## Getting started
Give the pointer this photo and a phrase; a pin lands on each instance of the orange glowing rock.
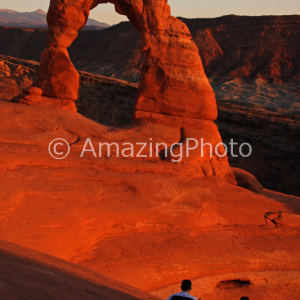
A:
(146, 222)
(57, 75)
(173, 88)
(173, 80)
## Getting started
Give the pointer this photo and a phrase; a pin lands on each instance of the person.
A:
(186, 287)
(244, 298)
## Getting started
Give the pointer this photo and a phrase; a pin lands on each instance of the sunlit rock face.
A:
(173, 80)
(174, 89)
(146, 222)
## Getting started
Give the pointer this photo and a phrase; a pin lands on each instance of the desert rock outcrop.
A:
(173, 79)
(148, 224)
(260, 128)
(174, 89)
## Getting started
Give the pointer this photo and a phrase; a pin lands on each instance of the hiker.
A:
(186, 287)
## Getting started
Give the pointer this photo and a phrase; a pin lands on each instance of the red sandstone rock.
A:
(4, 69)
(255, 47)
(65, 18)
(122, 216)
(8, 88)
(247, 180)
(173, 79)
(280, 219)
(19, 70)
(14, 77)
(41, 101)
(33, 91)
(57, 76)
(199, 142)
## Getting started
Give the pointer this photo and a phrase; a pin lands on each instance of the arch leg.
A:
(57, 75)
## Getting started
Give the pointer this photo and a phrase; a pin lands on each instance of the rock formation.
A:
(174, 89)
(146, 222)
(252, 125)
(247, 180)
(173, 79)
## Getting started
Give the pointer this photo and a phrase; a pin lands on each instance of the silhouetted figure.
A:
(186, 287)
(244, 298)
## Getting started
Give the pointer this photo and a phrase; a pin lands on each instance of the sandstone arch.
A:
(173, 91)
(173, 81)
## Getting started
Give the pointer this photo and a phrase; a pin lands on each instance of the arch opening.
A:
(106, 13)
(116, 107)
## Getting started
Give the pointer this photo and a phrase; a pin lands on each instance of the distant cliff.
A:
(252, 61)
(230, 46)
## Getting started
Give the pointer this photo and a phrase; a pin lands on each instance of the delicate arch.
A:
(173, 81)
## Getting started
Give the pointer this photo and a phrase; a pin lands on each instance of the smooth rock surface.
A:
(42, 101)
(27, 274)
(123, 217)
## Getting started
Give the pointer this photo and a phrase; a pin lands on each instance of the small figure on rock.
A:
(186, 287)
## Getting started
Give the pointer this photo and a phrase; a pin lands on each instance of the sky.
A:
(183, 8)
